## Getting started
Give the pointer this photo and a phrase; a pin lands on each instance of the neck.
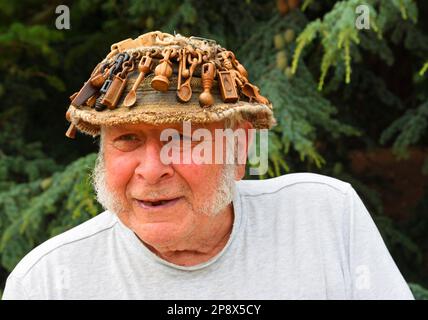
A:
(212, 237)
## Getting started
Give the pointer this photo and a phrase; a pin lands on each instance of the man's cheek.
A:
(120, 172)
(199, 177)
(192, 172)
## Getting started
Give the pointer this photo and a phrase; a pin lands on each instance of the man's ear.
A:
(242, 158)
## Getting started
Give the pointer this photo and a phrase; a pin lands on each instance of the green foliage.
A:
(411, 127)
(419, 292)
(34, 211)
(340, 40)
(338, 32)
(300, 110)
(424, 69)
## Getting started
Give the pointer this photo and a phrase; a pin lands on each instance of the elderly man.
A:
(177, 229)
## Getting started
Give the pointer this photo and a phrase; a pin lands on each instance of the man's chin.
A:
(158, 234)
(158, 219)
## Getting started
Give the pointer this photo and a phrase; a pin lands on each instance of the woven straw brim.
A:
(155, 107)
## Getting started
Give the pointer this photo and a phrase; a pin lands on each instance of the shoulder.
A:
(305, 196)
(305, 207)
(294, 182)
(92, 228)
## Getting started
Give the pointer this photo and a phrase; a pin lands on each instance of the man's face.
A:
(162, 203)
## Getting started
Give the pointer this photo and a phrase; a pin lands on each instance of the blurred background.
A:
(349, 85)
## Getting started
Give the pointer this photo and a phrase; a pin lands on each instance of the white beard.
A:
(108, 199)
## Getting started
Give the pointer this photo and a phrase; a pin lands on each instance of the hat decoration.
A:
(137, 71)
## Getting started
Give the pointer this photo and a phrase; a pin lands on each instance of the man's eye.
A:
(127, 142)
(128, 137)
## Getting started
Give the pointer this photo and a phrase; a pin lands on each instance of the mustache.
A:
(159, 192)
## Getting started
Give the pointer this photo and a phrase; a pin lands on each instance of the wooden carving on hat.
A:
(163, 53)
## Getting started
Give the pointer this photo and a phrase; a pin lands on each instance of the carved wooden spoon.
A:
(185, 92)
(144, 68)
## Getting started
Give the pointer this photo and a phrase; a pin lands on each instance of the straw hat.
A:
(160, 78)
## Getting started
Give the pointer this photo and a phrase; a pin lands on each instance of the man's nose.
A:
(151, 168)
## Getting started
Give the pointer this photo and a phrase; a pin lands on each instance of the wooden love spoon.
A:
(144, 68)
(185, 92)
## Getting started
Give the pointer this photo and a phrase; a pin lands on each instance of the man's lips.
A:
(157, 203)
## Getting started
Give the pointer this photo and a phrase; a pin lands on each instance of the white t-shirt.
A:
(298, 236)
